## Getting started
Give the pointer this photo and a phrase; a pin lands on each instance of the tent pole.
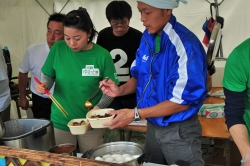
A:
(64, 5)
(42, 7)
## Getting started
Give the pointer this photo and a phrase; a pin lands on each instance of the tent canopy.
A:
(23, 22)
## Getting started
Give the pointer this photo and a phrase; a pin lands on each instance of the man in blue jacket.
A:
(169, 78)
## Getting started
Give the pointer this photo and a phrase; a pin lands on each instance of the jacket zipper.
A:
(150, 77)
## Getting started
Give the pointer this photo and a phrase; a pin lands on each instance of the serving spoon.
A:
(88, 104)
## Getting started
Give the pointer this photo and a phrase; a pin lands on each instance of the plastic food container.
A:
(97, 122)
(78, 130)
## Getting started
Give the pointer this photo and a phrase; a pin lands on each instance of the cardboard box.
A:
(212, 110)
(215, 113)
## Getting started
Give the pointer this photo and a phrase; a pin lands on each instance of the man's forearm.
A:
(128, 88)
(22, 83)
(165, 108)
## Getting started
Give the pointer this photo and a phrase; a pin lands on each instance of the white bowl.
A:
(78, 130)
(97, 122)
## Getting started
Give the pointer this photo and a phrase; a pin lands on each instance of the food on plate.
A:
(99, 158)
(117, 157)
(135, 156)
(109, 159)
(128, 158)
(125, 155)
(120, 159)
(79, 123)
(106, 156)
(64, 149)
(101, 116)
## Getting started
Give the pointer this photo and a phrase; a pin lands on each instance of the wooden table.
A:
(211, 127)
(214, 127)
(34, 158)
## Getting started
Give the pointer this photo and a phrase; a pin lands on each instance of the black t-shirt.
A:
(122, 49)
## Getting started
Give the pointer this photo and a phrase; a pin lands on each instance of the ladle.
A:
(88, 104)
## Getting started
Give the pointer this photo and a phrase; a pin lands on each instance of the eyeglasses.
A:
(117, 24)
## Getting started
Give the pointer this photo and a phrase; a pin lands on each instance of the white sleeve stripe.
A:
(133, 64)
(182, 70)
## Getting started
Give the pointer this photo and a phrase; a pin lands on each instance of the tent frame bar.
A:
(215, 1)
(53, 7)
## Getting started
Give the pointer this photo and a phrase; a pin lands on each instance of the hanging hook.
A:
(216, 2)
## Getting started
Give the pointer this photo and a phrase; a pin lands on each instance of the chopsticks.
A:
(63, 111)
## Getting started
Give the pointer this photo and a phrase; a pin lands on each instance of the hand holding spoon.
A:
(88, 104)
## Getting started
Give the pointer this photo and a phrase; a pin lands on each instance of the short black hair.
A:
(80, 19)
(57, 17)
(118, 10)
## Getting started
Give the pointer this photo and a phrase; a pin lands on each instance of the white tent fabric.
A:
(23, 22)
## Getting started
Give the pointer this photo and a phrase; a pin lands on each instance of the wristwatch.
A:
(137, 117)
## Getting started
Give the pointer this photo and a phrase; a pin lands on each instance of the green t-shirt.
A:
(237, 75)
(77, 76)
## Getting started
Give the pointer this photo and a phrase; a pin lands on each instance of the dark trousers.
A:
(5, 114)
(178, 143)
(41, 107)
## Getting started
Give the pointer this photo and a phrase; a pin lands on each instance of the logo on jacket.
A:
(89, 70)
(144, 58)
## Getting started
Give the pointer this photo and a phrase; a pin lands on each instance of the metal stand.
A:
(220, 56)
(216, 6)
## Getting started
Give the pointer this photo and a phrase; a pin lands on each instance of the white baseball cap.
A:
(163, 4)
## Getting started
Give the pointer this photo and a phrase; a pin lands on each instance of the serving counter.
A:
(211, 128)
(25, 157)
